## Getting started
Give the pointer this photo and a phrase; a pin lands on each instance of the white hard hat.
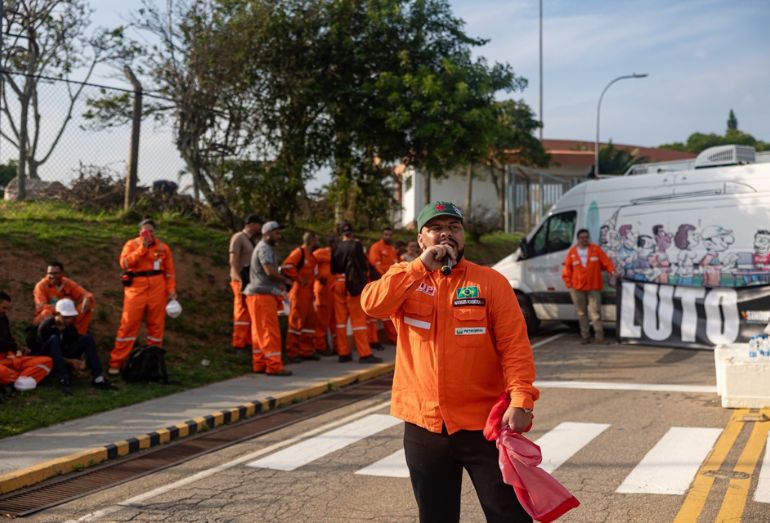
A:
(66, 307)
(173, 309)
(24, 383)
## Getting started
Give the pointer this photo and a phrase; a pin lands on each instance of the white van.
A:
(708, 226)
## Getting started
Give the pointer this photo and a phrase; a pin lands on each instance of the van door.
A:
(545, 253)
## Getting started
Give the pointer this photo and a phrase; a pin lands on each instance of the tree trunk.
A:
(469, 194)
(21, 168)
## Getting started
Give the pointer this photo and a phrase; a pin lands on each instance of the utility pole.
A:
(542, 120)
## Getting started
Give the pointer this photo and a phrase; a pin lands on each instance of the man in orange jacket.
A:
(382, 254)
(241, 246)
(54, 287)
(300, 266)
(323, 292)
(582, 274)
(149, 284)
(17, 367)
(462, 341)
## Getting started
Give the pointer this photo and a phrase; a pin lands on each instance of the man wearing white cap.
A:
(59, 339)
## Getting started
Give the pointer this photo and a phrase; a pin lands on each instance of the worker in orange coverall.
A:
(382, 254)
(54, 287)
(241, 247)
(300, 267)
(149, 284)
(323, 290)
(16, 367)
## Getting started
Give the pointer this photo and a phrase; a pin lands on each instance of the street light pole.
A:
(598, 112)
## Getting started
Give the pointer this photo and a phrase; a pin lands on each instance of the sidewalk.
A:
(40, 454)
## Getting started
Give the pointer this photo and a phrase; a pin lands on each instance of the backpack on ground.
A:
(146, 364)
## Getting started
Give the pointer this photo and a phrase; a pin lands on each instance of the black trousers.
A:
(436, 463)
(57, 350)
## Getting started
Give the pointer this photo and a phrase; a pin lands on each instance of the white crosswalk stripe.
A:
(565, 440)
(319, 446)
(670, 466)
(762, 494)
(393, 466)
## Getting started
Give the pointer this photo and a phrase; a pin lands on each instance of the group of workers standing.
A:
(59, 337)
(322, 286)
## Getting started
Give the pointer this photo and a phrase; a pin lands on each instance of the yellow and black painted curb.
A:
(87, 458)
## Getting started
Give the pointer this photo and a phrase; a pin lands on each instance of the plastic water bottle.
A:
(764, 345)
(753, 347)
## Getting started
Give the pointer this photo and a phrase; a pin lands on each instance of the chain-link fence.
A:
(66, 146)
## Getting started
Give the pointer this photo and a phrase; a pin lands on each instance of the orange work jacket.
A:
(138, 258)
(461, 342)
(306, 273)
(588, 278)
(382, 256)
(324, 279)
(46, 295)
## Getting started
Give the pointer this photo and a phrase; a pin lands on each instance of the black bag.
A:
(146, 364)
(127, 278)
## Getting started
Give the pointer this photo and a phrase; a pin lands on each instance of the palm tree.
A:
(617, 161)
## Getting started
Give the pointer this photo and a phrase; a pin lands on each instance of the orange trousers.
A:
(265, 333)
(346, 305)
(82, 321)
(241, 320)
(35, 367)
(146, 297)
(324, 311)
(300, 337)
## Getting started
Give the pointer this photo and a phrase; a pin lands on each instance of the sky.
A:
(703, 57)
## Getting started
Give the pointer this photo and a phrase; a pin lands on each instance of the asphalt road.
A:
(628, 450)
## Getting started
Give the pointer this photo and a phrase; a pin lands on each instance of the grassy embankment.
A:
(88, 245)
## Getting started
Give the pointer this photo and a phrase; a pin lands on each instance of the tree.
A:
(617, 161)
(732, 122)
(512, 139)
(48, 38)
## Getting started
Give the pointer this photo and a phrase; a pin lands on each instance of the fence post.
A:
(136, 125)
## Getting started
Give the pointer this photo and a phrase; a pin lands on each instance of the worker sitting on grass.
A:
(59, 339)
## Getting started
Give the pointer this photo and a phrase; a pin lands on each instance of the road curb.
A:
(35, 474)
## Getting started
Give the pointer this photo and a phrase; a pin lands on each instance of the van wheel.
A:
(530, 318)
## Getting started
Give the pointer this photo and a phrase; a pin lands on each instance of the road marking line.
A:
(564, 440)
(734, 502)
(602, 385)
(138, 500)
(696, 498)
(309, 450)
(393, 466)
(762, 493)
(670, 466)
(549, 340)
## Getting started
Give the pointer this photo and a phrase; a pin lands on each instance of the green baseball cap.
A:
(437, 208)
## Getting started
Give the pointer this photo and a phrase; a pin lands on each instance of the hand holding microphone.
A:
(441, 256)
(446, 266)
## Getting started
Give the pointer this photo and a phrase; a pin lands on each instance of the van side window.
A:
(555, 234)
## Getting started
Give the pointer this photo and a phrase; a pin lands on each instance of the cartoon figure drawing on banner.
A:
(659, 259)
(643, 269)
(716, 240)
(761, 257)
(627, 252)
(686, 239)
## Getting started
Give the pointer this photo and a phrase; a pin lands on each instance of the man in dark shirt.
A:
(59, 339)
(351, 268)
(18, 370)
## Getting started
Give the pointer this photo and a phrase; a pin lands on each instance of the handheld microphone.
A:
(446, 266)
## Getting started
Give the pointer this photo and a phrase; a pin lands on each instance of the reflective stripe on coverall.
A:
(324, 299)
(46, 296)
(265, 333)
(344, 305)
(12, 367)
(241, 321)
(146, 294)
(461, 342)
(301, 331)
(382, 256)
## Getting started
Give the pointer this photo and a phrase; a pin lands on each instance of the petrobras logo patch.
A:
(430, 290)
(470, 331)
(467, 292)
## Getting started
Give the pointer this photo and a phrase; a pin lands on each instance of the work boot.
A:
(585, 341)
(370, 359)
(602, 341)
(102, 383)
(282, 372)
(294, 359)
(326, 352)
(376, 346)
(345, 359)
(65, 386)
